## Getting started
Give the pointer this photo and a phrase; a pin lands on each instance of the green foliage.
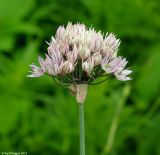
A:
(38, 117)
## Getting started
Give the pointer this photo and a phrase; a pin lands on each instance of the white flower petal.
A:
(126, 72)
(36, 71)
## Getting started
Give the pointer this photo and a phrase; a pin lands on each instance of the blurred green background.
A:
(40, 118)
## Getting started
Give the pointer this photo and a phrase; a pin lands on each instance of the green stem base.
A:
(82, 129)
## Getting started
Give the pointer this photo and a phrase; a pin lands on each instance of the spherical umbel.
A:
(78, 56)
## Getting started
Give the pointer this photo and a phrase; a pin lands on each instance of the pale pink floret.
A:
(111, 66)
(66, 67)
(97, 58)
(36, 71)
(123, 75)
(110, 44)
(116, 66)
(88, 65)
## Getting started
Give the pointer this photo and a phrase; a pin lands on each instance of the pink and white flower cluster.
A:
(75, 43)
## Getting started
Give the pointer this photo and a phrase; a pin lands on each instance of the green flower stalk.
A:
(76, 57)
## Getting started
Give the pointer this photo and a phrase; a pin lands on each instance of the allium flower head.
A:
(79, 55)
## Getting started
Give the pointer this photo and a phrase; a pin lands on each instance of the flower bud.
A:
(88, 65)
(55, 55)
(72, 56)
(97, 58)
(60, 33)
(63, 47)
(66, 67)
(84, 53)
